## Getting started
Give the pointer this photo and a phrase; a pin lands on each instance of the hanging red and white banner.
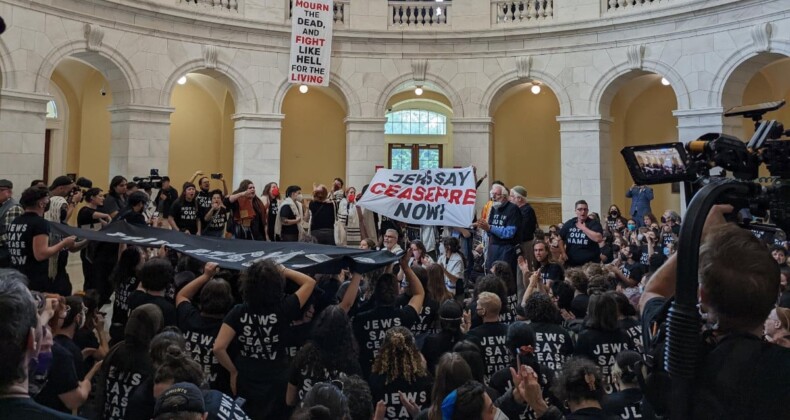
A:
(436, 197)
(311, 42)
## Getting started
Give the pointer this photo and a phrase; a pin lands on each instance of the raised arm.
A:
(351, 292)
(192, 288)
(306, 284)
(417, 291)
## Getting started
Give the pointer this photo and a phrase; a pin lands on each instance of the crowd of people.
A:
(504, 318)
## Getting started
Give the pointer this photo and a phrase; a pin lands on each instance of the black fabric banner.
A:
(238, 254)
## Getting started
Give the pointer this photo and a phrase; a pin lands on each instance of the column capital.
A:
(364, 124)
(472, 125)
(27, 102)
(680, 113)
(141, 113)
(583, 123)
(259, 121)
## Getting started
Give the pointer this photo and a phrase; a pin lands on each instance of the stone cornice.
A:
(672, 22)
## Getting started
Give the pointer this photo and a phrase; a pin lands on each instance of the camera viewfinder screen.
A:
(659, 163)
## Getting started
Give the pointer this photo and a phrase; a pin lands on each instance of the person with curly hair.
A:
(399, 373)
(329, 354)
(259, 371)
(553, 343)
(370, 326)
(579, 280)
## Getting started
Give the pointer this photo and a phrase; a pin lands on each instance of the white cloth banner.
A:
(311, 42)
(435, 197)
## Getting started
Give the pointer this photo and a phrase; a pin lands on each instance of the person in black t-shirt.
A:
(370, 326)
(503, 227)
(398, 373)
(259, 371)
(578, 279)
(90, 218)
(23, 340)
(155, 275)
(184, 212)
(435, 345)
(602, 339)
(215, 218)
(204, 193)
(491, 335)
(124, 282)
(613, 217)
(741, 376)
(322, 216)
(627, 402)
(553, 343)
(201, 325)
(27, 239)
(580, 236)
(430, 305)
(165, 198)
(289, 217)
(329, 354)
(69, 382)
(128, 365)
(115, 201)
(550, 272)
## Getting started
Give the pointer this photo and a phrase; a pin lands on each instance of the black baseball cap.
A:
(4, 183)
(61, 181)
(182, 397)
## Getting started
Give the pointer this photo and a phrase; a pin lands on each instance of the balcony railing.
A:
(505, 12)
(212, 4)
(418, 15)
(616, 5)
(340, 9)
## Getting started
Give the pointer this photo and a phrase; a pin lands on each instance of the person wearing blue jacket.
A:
(503, 227)
(640, 196)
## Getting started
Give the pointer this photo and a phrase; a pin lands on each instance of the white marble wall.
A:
(583, 55)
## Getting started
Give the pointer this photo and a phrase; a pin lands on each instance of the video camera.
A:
(82, 184)
(692, 165)
(749, 194)
(153, 180)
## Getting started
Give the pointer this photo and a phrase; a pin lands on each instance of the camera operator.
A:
(740, 376)
(165, 199)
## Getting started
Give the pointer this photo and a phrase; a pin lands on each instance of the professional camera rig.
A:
(763, 197)
(152, 181)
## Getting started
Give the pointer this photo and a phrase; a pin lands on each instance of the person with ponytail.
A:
(399, 373)
(627, 402)
(167, 344)
(325, 401)
(579, 386)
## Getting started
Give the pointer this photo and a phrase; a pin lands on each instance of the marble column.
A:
(140, 139)
(365, 149)
(256, 150)
(586, 162)
(22, 132)
(472, 146)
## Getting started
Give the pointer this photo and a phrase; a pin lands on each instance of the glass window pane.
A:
(401, 159)
(429, 158)
(52, 110)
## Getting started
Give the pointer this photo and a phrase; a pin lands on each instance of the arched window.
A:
(417, 122)
(52, 110)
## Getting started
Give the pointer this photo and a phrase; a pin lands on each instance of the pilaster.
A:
(256, 151)
(140, 139)
(22, 132)
(365, 149)
(586, 162)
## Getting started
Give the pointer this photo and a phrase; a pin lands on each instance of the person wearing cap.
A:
(529, 223)
(62, 187)
(182, 401)
(9, 210)
(28, 240)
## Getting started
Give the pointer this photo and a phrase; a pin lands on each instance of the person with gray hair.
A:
(20, 341)
(503, 227)
(529, 223)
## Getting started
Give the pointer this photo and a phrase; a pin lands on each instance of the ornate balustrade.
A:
(418, 15)
(504, 12)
